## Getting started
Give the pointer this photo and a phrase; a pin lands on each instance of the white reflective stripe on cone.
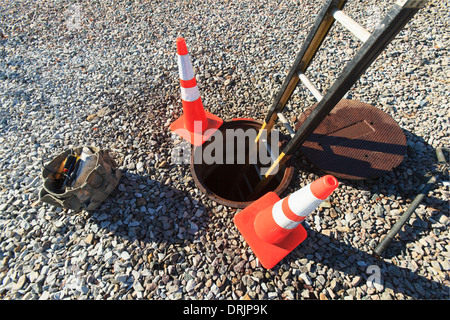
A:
(281, 219)
(303, 202)
(190, 94)
(185, 69)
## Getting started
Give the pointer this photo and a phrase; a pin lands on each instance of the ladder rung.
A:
(353, 26)
(308, 84)
(286, 124)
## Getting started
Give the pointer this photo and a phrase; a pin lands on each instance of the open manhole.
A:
(222, 169)
(355, 141)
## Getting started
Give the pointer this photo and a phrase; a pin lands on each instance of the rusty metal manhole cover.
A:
(355, 141)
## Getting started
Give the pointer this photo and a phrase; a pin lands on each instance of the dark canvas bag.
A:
(99, 182)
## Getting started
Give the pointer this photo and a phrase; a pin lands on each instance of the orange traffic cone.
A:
(195, 125)
(271, 226)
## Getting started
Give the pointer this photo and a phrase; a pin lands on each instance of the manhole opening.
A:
(231, 179)
(225, 181)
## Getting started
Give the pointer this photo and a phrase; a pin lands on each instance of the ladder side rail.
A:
(389, 27)
(313, 41)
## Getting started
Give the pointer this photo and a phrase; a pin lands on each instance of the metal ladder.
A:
(373, 45)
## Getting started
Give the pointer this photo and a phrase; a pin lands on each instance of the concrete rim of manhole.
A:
(217, 180)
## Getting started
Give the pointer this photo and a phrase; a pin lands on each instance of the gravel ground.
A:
(104, 73)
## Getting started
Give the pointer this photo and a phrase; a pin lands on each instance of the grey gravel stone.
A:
(105, 74)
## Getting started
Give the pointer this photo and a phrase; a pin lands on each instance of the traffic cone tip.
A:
(323, 187)
(181, 47)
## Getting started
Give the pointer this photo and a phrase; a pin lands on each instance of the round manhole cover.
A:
(355, 141)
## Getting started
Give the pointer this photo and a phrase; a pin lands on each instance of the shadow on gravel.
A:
(148, 211)
(346, 258)
(402, 184)
(403, 180)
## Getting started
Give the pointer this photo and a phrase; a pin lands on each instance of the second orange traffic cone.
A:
(271, 226)
(195, 125)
